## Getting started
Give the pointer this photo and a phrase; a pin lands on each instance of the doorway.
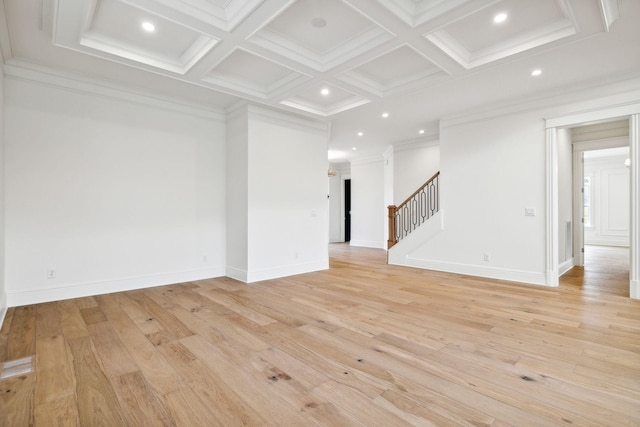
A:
(347, 210)
(554, 128)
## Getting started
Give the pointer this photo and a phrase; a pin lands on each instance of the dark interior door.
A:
(347, 210)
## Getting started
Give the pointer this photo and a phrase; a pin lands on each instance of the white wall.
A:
(3, 291)
(237, 193)
(368, 210)
(565, 200)
(486, 182)
(108, 194)
(413, 165)
(610, 199)
(288, 218)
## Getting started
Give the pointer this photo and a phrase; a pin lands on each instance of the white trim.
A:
(634, 226)
(289, 119)
(369, 244)
(528, 277)
(285, 271)
(594, 115)
(428, 141)
(20, 70)
(610, 12)
(79, 290)
(237, 274)
(591, 100)
(578, 227)
(552, 208)
(634, 291)
(3, 308)
(565, 266)
(366, 160)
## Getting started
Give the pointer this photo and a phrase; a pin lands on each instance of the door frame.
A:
(579, 149)
(630, 111)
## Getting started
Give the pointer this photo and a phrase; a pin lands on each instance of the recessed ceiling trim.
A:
(181, 65)
(292, 79)
(551, 33)
(364, 82)
(322, 61)
(416, 13)
(344, 105)
(610, 12)
(226, 18)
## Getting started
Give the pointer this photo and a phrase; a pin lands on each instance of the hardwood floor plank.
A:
(97, 401)
(363, 343)
(160, 375)
(53, 370)
(22, 337)
(141, 406)
(16, 400)
(112, 354)
(61, 412)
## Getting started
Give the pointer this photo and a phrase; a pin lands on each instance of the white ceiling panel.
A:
(475, 39)
(320, 34)
(335, 100)
(114, 29)
(420, 60)
(245, 72)
(401, 68)
(222, 14)
(417, 12)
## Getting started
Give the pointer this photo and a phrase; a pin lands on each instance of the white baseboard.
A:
(368, 244)
(288, 270)
(237, 274)
(3, 308)
(528, 277)
(634, 291)
(36, 296)
(565, 266)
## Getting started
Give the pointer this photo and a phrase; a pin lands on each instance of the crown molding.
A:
(288, 119)
(25, 71)
(415, 144)
(592, 96)
(367, 160)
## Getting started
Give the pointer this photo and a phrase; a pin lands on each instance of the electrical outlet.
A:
(529, 211)
(486, 257)
(204, 258)
(51, 274)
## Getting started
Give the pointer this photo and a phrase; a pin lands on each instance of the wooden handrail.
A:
(419, 189)
(411, 218)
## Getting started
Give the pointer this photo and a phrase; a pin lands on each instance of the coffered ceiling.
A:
(344, 61)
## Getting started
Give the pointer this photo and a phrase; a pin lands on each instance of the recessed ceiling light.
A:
(421, 131)
(536, 72)
(360, 133)
(385, 115)
(354, 148)
(324, 91)
(148, 27)
(500, 17)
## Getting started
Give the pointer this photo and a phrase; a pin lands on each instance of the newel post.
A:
(392, 226)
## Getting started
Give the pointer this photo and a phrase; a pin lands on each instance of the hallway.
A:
(605, 272)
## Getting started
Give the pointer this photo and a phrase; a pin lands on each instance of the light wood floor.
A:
(363, 343)
(605, 272)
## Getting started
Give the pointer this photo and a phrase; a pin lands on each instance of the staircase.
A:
(414, 211)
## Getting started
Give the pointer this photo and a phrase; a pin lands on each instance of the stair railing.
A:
(411, 213)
